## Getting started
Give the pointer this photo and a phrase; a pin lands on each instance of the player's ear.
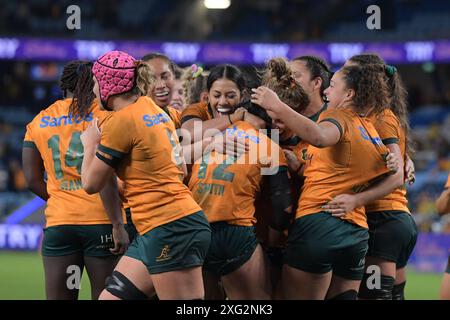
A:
(317, 83)
(350, 94)
(204, 97)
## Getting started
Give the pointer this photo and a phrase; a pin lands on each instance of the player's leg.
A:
(98, 270)
(392, 238)
(63, 276)
(301, 285)
(185, 284)
(343, 289)
(213, 286)
(130, 280)
(348, 264)
(99, 261)
(379, 278)
(445, 286)
(398, 292)
(63, 262)
(275, 265)
(249, 281)
(235, 255)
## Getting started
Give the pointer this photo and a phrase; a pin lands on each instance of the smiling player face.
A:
(161, 91)
(223, 96)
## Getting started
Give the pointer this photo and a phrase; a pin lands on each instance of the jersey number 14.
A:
(73, 156)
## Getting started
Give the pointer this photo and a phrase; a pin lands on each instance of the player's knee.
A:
(382, 292)
(346, 295)
(119, 285)
(398, 291)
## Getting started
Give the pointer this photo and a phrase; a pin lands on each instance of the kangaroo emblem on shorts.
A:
(164, 254)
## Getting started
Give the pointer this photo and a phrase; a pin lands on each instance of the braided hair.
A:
(76, 80)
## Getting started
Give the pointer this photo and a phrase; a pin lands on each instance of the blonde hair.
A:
(194, 84)
(145, 78)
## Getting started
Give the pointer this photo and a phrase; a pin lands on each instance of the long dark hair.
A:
(397, 91)
(76, 79)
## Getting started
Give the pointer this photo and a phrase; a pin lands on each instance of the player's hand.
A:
(121, 239)
(410, 175)
(121, 189)
(230, 145)
(267, 99)
(292, 160)
(341, 205)
(92, 135)
(392, 162)
(238, 114)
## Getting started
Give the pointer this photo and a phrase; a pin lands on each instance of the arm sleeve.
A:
(116, 140)
(194, 111)
(388, 128)
(28, 141)
(337, 118)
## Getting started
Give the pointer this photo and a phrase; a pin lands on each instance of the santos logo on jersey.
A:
(151, 120)
(64, 120)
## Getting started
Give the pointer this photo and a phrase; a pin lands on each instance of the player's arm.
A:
(410, 176)
(222, 143)
(443, 202)
(191, 125)
(33, 169)
(342, 204)
(113, 207)
(295, 166)
(94, 172)
(321, 135)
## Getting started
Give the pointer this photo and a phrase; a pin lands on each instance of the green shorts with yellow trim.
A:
(393, 236)
(176, 245)
(319, 243)
(231, 247)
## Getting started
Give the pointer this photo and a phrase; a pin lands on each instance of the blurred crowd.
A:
(264, 20)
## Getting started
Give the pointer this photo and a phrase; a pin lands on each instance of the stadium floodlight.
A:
(217, 4)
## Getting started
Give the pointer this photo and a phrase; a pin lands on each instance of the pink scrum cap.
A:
(115, 73)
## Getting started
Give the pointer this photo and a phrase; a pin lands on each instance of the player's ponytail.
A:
(145, 78)
(278, 77)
